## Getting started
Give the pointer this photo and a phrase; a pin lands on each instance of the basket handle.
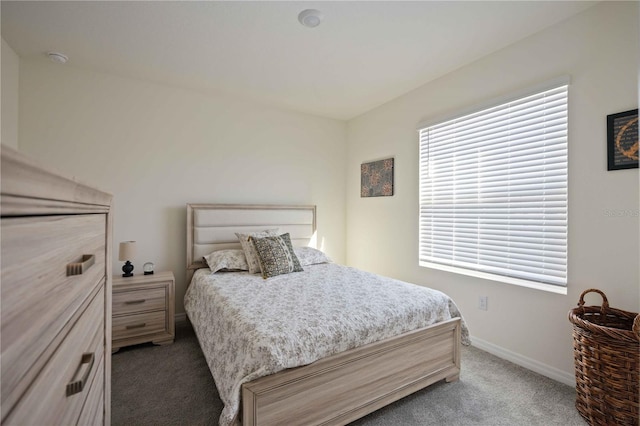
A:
(636, 325)
(605, 302)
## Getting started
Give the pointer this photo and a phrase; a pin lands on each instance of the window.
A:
(493, 191)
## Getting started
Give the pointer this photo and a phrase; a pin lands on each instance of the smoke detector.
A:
(57, 57)
(310, 18)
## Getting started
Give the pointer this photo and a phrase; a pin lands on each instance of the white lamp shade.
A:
(127, 250)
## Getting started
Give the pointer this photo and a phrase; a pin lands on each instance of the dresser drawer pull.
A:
(78, 268)
(129, 327)
(135, 302)
(78, 385)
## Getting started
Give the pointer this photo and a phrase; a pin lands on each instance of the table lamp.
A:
(127, 251)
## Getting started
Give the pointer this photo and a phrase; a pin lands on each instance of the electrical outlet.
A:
(483, 303)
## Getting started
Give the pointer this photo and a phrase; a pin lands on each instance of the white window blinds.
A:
(493, 190)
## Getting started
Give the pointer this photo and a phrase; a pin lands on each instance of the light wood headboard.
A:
(212, 227)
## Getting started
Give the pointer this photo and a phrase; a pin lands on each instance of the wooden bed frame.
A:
(341, 388)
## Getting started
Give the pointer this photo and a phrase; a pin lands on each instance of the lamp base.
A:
(127, 268)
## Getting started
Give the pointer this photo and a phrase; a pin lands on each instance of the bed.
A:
(307, 347)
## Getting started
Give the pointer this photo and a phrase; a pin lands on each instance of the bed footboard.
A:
(346, 386)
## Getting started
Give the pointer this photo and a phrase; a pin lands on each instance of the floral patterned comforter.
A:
(249, 327)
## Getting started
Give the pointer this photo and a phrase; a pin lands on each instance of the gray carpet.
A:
(172, 385)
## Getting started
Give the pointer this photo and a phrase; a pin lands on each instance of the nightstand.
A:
(143, 310)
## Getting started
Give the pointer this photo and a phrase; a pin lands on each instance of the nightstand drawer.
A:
(39, 293)
(134, 301)
(51, 399)
(139, 325)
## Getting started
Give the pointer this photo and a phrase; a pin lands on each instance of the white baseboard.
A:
(181, 317)
(523, 361)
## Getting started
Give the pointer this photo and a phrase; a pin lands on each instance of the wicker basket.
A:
(606, 344)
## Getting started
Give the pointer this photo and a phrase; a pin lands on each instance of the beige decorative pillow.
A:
(250, 251)
(276, 255)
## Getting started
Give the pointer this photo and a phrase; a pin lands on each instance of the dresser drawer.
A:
(55, 296)
(139, 325)
(134, 301)
(38, 296)
(79, 357)
(93, 409)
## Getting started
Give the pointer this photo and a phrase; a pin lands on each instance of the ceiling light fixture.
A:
(57, 57)
(310, 18)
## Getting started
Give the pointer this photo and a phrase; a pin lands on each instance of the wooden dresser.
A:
(56, 297)
(143, 309)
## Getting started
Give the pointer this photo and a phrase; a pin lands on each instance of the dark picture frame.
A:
(376, 178)
(622, 140)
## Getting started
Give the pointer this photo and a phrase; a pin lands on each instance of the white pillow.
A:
(311, 256)
(227, 260)
(250, 251)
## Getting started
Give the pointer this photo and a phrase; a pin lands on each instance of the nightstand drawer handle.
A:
(78, 385)
(78, 268)
(135, 302)
(129, 327)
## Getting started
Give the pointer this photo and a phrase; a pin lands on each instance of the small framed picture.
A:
(376, 178)
(622, 140)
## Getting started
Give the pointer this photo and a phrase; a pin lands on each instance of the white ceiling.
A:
(361, 56)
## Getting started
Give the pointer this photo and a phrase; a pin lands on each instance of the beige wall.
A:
(599, 50)
(9, 95)
(156, 148)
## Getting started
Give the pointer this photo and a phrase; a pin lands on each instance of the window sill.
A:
(497, 278)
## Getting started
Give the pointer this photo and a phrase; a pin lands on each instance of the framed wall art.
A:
(622, 140)
(376, 178)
